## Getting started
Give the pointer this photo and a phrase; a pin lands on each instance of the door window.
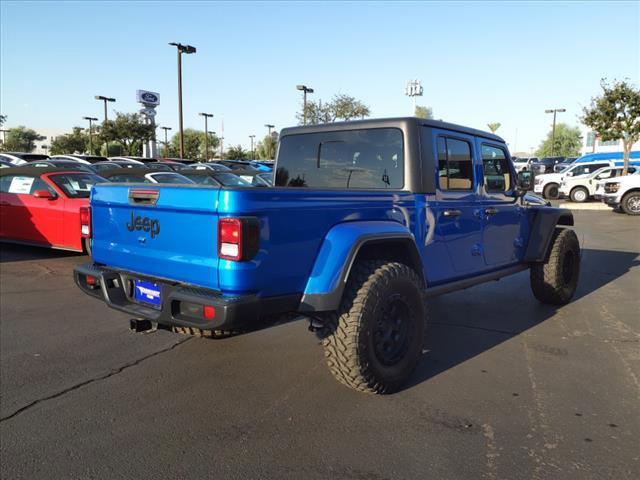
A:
(455, 168)
(497, 176)
(22, 184)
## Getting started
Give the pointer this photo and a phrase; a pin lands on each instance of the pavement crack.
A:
(77, 386)
(474, 327)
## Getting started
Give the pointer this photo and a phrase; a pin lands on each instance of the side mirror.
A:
(45, 194)
(525, 181)
(569, 174)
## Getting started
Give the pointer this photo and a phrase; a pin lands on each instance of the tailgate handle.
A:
(139, 196)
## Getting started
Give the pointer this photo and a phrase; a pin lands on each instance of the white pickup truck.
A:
(580, 189)
(548, 184)
(624, 193)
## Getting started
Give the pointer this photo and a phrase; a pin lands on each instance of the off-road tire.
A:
(551, 191)
(555, 281)
(579, 195)
(626, 203)
(355, 333)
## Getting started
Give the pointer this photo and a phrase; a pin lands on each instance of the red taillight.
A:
(91, 280)
(85, 222)
(209, 312)
(238, 238)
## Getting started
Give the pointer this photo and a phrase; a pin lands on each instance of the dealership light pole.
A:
(253, 155)
(105, 100)
(206, 134)
(166, 129)
(304, 89)
(181, 49)
(412, 90)
(91, 119)
(221, 148)
(553, 130)
(4, 135)
(269, 127)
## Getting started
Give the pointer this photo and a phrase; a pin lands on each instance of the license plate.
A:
(147, 292)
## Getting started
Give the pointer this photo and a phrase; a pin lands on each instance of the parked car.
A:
(63, 163)
(112, 164)
(580, 189)
(46, 206)
(209, 166)
(86, 159)
(158, 166)
(6, 164)
(548, 185)
(624, 193)
(127, 159)
(143, 175)
(262, 165)
(564, 164)
(20, 158)
(143, 160)
(366, 220)
(523, 164)
(235, 165)
(216, 178)
(545, 165)
(173, 164)
(599, 192)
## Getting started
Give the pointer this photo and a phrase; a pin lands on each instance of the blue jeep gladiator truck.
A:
(365, 221)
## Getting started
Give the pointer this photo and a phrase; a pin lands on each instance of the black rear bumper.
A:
(182, 305)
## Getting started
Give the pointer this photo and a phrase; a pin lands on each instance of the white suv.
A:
(548, 184)
(580, 189)
(624, 192)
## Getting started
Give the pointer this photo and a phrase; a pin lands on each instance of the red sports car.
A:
(46, 206)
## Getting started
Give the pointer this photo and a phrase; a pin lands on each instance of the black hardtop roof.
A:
(203, 172)
(397, 122)
(33, 170)
(126, 171)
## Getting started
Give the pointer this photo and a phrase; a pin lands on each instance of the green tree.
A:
(129, 130)
(266, 148)
(3, 119)
(74, 142)
(194, 145)
(21, 139)
(567, 142)
(494, 126)
(423, 112)
(615, 115)
(236, 153)
(340, 108)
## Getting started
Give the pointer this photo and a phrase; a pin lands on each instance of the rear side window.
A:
(588, 168)
(497, 176)
(455, 168)
(22, 184)
(365, 159)
(76, 185)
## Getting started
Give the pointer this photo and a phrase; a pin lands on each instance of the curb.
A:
(586, 206)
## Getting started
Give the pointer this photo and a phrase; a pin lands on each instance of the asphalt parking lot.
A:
(508, 388)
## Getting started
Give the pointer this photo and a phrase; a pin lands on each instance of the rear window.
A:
(365, 159)
(172, 178)
(230, 180)
(76, 185)
(124, 178)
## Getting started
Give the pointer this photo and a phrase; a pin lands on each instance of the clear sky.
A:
(479, 62)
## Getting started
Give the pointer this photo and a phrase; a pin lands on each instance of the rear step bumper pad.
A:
(114, 287)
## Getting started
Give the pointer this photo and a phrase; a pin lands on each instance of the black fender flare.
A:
(544, 223)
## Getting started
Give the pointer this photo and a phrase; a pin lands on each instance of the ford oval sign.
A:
(148, 98)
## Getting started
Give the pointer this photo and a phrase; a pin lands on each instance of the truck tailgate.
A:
(164, 231)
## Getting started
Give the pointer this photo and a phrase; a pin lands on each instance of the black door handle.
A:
(490, 211)
(452, 213)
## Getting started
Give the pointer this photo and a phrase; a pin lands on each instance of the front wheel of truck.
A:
(555, 281)
(374, 340)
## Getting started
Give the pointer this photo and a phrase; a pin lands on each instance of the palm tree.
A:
(494, 126)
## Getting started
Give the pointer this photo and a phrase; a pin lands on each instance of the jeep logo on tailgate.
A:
(145, 224)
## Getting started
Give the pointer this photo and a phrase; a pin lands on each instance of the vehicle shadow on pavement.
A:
(464, 324)
(10, 252)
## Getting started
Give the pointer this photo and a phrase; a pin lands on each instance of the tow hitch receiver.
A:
(139, 325)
